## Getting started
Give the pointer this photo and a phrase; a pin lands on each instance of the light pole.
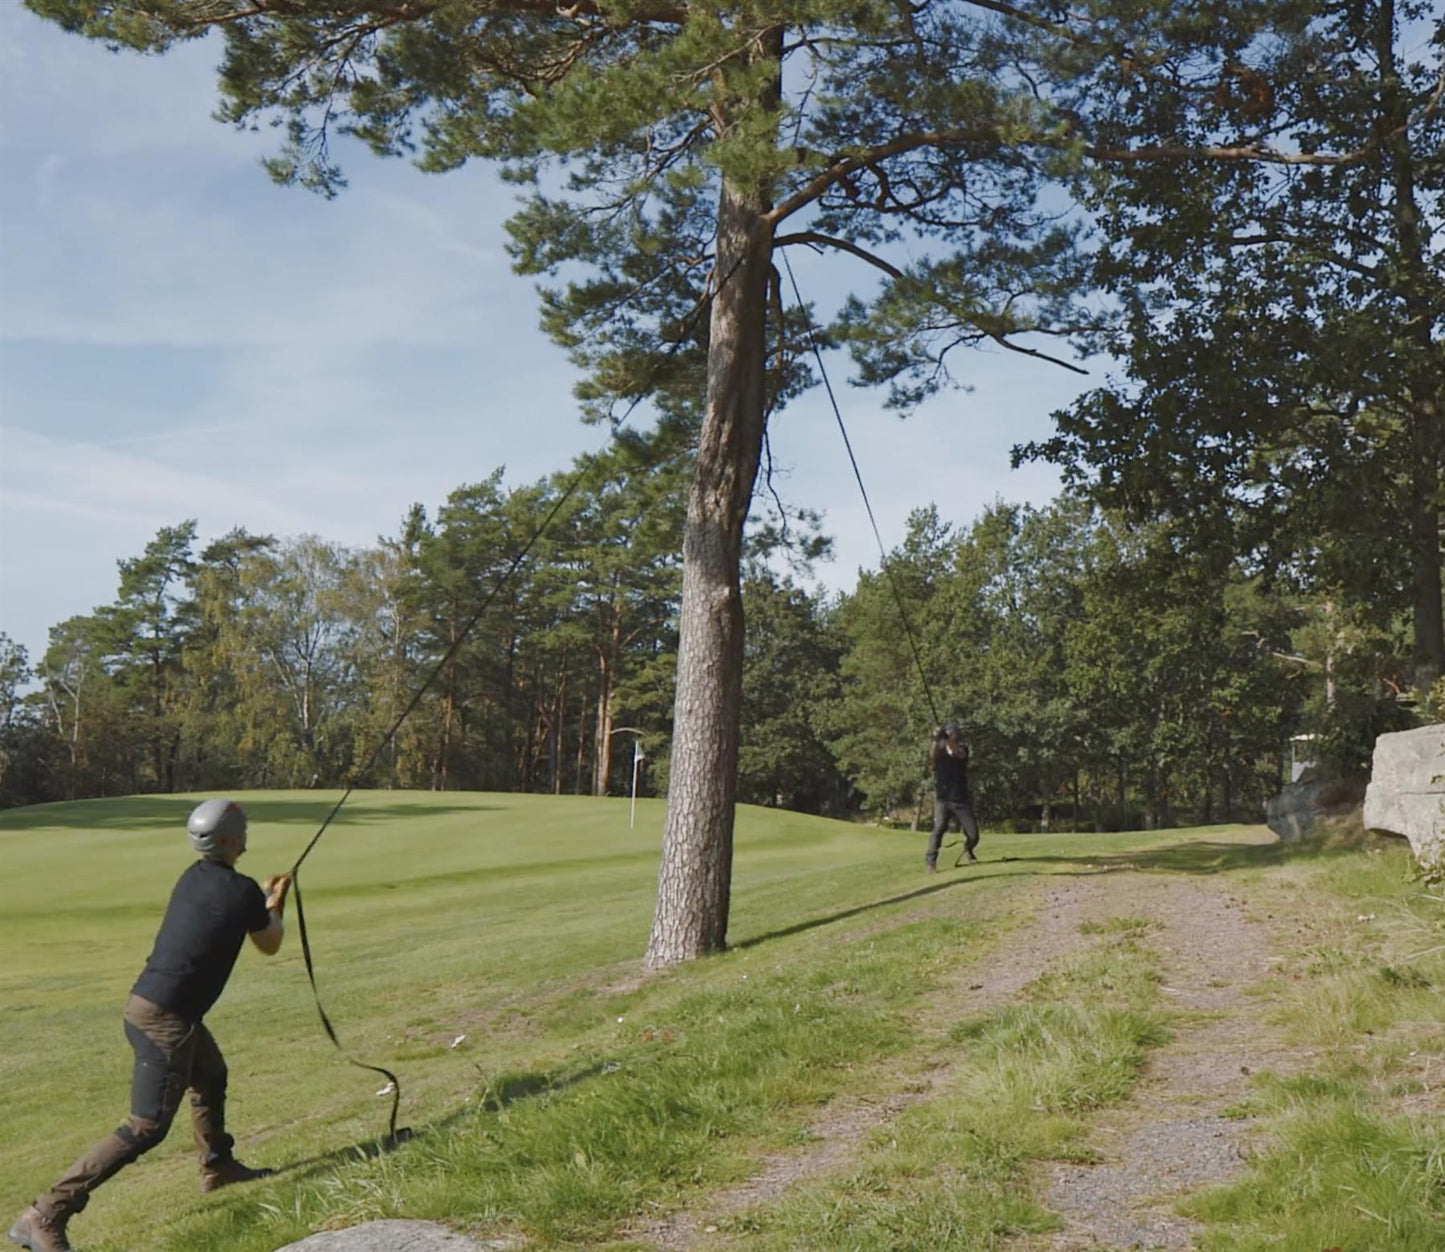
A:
(637, 758)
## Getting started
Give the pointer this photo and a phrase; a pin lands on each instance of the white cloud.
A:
(91, 262)
(127, 107)
(69, 511)
(133, 218)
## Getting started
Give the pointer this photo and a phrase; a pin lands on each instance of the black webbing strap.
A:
(326, 1021)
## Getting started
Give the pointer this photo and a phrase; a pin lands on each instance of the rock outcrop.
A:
(1407, 790)
(1293, 813)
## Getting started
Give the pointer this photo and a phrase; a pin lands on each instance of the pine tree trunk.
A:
(559, 727)
(527, 762)
(157, 746)
(697, 852)
(1429, 650)
(581, 749)
(442, 764)
(606, 676)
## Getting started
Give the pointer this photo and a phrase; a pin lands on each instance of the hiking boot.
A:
(39, 1233)
(224, 1173)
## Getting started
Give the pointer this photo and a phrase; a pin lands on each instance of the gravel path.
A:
(834, 1136)
(1174, 1137)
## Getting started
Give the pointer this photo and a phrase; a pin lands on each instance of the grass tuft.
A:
(1134, 926)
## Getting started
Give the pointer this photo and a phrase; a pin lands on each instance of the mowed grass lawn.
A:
(583, 1096)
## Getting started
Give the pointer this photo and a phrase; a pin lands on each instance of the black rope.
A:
(431, 677)
(867, 504)
(371, 760)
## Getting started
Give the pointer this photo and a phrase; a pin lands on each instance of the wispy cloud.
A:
(131, 218)
(41, 474)
(946, 455)
(173, 435)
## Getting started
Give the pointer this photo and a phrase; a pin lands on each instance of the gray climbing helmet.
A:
(217, 827)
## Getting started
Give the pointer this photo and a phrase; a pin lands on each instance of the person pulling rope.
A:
(212, 909)
(951, 799)
(948, 755)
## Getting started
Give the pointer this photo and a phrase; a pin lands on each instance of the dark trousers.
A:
(171, 1055)
(945, 811)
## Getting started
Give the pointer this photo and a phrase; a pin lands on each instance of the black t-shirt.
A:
(212, 909)
(950, 776)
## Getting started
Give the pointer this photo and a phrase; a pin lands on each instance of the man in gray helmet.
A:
(212, 909)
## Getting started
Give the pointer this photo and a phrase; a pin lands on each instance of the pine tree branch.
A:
(1171, 154)
(674, 15)
(842, 166)
(1309, 246)
(1057, 29)
(988, 133)
(1034, 352)
(814, 238)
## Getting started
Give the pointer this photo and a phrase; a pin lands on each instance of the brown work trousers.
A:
(171, 1055)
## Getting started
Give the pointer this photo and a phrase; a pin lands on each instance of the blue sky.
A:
(180, 338)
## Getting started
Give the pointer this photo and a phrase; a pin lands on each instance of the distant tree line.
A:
(1109, 672)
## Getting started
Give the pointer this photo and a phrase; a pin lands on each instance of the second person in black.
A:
(951, 799)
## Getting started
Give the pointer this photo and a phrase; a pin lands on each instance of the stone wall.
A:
(1407, 790)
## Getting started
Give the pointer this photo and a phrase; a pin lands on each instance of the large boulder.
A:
(1293, 813)
(1407, 790)
(396, 1236)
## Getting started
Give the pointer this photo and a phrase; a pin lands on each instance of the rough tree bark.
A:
(693, 886)
(559, 729)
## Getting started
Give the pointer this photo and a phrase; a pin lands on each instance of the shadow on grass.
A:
(368, 1151)
(144, 812)
(1202, 856)
(857, 910)
(1189, 857)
